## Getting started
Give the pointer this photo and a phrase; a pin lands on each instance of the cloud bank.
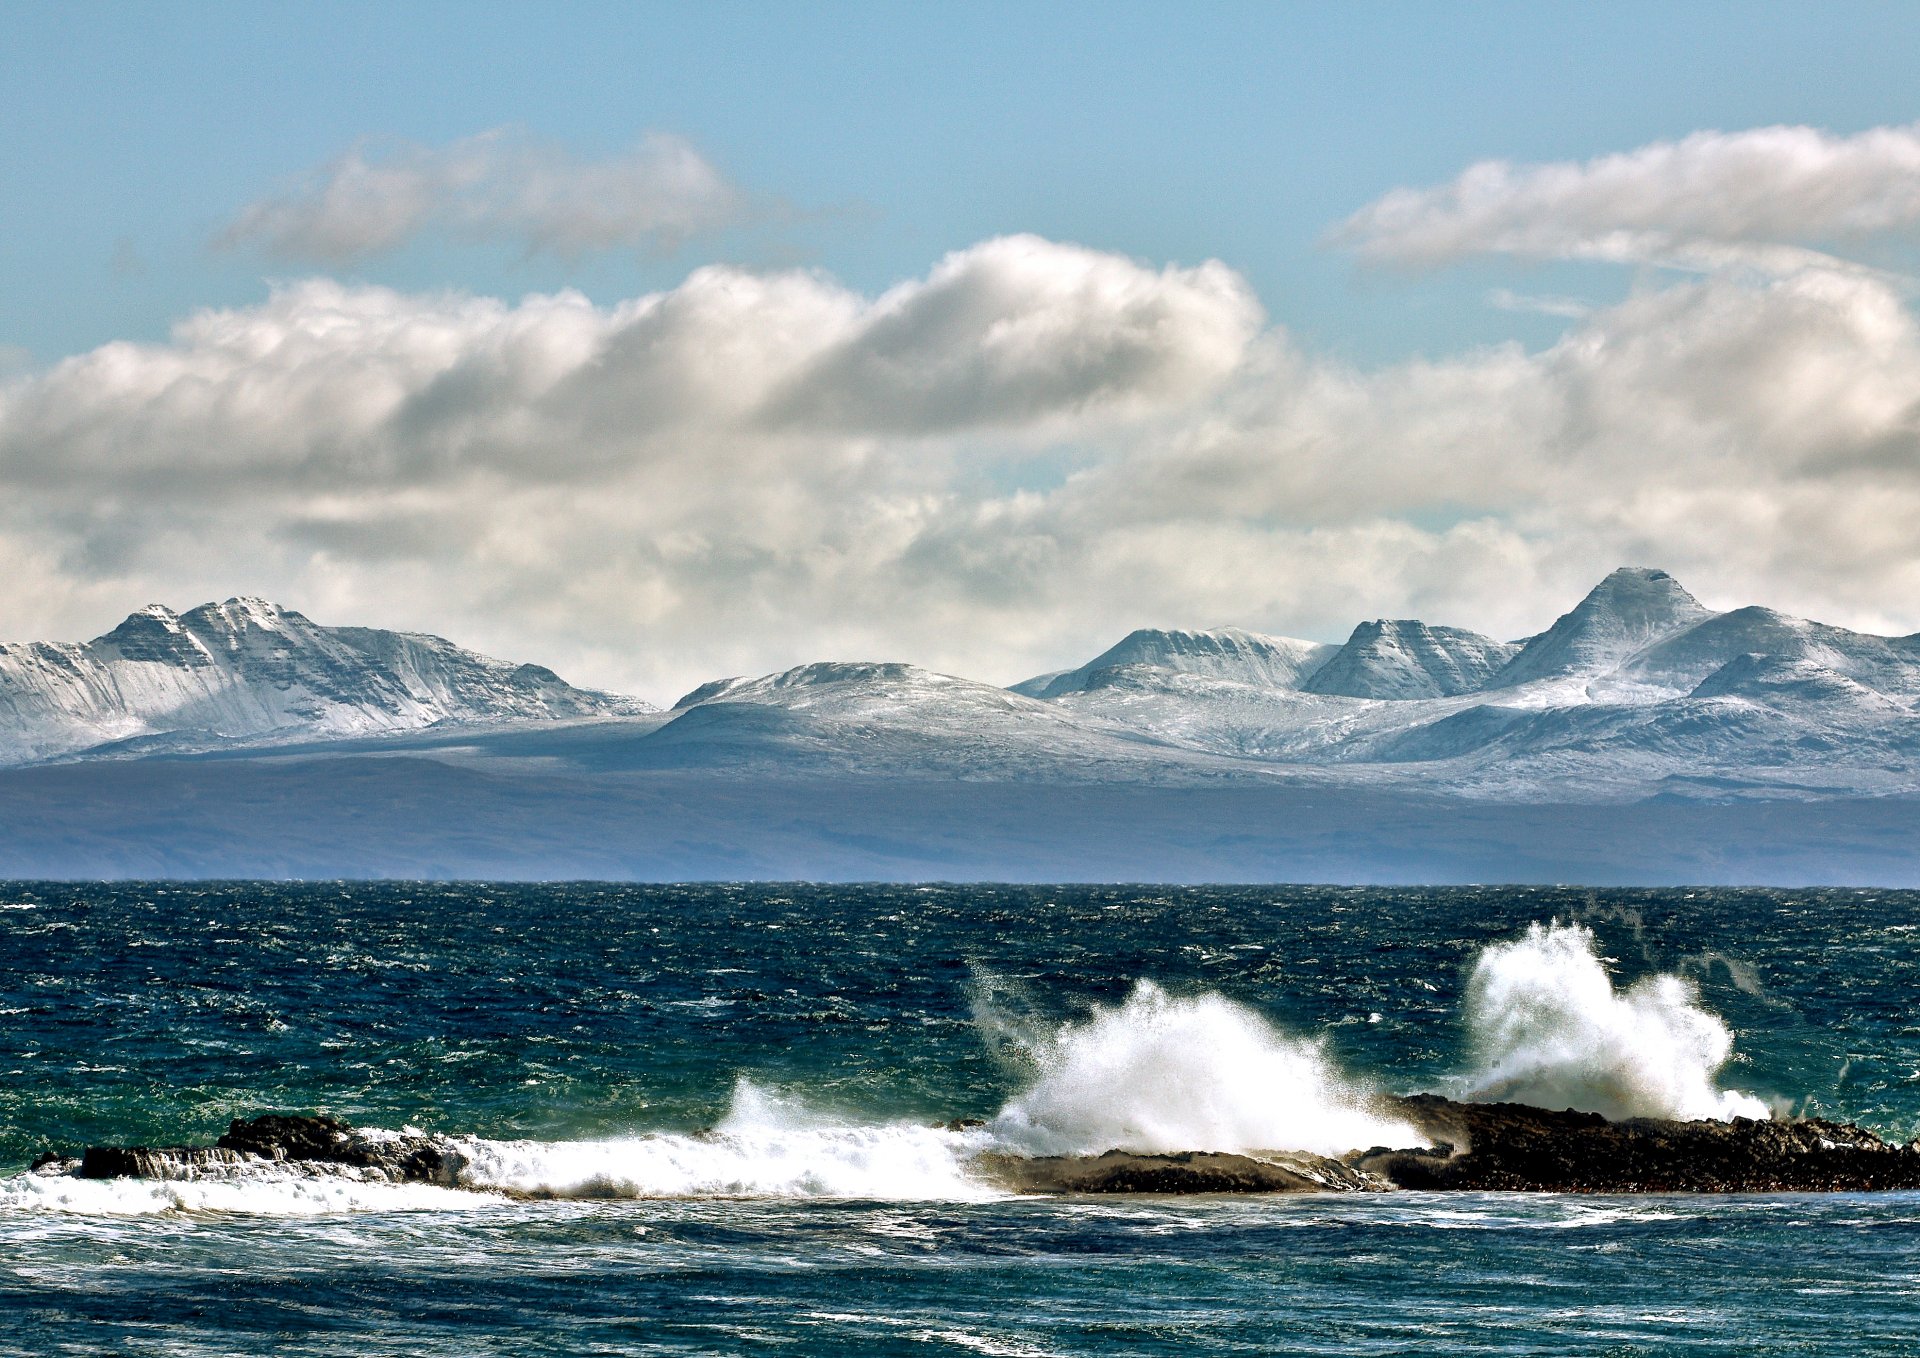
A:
(996, 468)
(1708, 199)
(498, 186)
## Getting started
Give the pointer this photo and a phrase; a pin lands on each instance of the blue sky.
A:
(895, 132)
(658, 342)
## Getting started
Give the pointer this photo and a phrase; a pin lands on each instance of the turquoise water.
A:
(588, 1033)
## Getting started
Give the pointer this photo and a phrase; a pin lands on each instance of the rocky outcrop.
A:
(1498, 1147)
(1183, 1172)
(1512, 1147)
(321, 1143)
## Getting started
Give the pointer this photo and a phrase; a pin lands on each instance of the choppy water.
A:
(584, 1034)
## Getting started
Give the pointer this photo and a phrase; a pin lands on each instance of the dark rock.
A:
(154, 1162)
(312, 1141)
(1508, 1146)
(1476, 1146)
(1182, 1172)
(282, 1136)
(45, 1158)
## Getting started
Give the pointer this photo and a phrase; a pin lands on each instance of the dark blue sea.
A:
(714, 1119)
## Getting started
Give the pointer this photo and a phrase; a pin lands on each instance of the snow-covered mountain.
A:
(1224, 653)
(904, 721)
(1637, 690)
(1407, 658)
(1625, 614)
(248, 671)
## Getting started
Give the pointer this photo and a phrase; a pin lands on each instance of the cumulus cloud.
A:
(995, 469)
(1759, 198)
(501, 185)
(1021, 328)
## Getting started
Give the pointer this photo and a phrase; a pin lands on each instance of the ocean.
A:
(744, 1119)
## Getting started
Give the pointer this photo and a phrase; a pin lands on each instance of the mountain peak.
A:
(1220, 653)
(250, 670)
(246, 612)
(1644, 591)
(1396, 658)
(1625, 613)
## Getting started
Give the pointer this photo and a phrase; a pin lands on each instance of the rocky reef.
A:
(1500, 1147)
(317, 1144)
(1512, 1147)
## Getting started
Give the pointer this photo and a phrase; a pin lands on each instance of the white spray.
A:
(1548, 1028)
(1189, 1073)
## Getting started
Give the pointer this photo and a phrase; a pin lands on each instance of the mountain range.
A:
(1636, 697)
(1637, 690)
(250, 672)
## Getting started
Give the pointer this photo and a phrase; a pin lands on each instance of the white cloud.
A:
(498, 186)
(1757, 198)
(1021, 328)
(753, 470)
(1567, 308)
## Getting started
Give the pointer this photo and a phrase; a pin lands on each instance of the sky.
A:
(659, 343)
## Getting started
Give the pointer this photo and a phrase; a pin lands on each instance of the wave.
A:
(766, 1146)
(263, 1190)
(1548, 1028)
(1166, 1073)
(1156, 1073)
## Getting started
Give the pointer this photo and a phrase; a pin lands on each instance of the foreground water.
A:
(583, 1036)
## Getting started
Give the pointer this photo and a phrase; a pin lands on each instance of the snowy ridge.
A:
(1625, 614)
(1407, 658)
(1638, 690)
(899, 719)
(1224, 653)
(248, 670)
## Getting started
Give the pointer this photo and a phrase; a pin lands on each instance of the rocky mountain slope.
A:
(247, 671)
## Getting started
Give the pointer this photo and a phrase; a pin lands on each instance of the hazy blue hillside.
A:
(411, 816)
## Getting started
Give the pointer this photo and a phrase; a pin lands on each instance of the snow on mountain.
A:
(1683, 661)
(902, 720)
(1624, 614)
(249, 670)
(1638, 690)
(1224, 653)
(1796, 683)
(1406, 658)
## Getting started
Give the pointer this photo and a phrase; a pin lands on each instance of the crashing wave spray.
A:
(1548, 1028)
(1189, 1073)
(766, 1146)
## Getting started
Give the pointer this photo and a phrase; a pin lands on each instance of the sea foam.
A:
(1161, 1072)
(1157, 1072)
(766, 1146)
(1547, 1027)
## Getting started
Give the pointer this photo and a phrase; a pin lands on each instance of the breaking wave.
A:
(1548, 1028)
(766, 1146)
(266, 1190)
(1157, 1072)
(1181, 1073)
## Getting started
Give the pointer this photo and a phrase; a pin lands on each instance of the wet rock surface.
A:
(322, 1143)
(1477, 1147)
(1513, 1147)
(1182, 1172)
